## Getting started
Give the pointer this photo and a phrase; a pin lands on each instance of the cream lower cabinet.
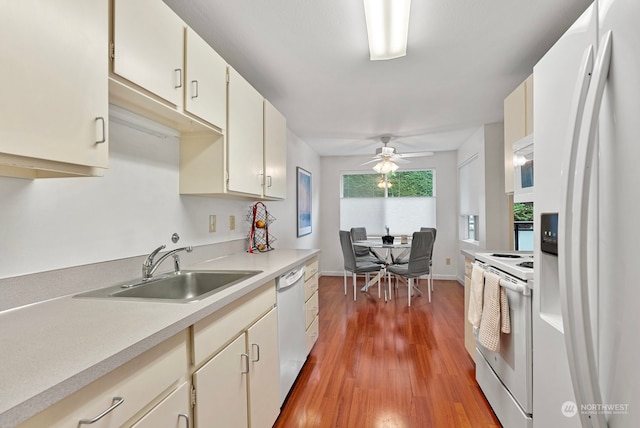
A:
(172, 412)
(54, 107)
(311, 302)
(469, 340)
(239, 385)
(138, 386)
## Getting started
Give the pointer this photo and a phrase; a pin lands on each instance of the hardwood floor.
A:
(380, 364)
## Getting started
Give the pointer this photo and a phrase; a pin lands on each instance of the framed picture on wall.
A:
(303, 202)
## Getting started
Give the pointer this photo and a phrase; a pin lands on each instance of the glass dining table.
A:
(388, 257)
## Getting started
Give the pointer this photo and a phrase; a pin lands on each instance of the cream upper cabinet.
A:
(518, 123)
(54, 103)
(244, 136)
(275, 153)
(148, 42)
(264, 371)
(206, 81)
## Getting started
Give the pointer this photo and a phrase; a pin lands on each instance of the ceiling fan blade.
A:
(415, 154)
(371, 161)
(399, 160)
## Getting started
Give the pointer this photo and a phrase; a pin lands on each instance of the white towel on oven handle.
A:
(495, 313)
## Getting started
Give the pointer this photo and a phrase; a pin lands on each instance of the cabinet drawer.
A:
(311, 309)
(214, 332)
(312, 335)
(311, 268)
(172, 412)
(310, 286)
(138, 382)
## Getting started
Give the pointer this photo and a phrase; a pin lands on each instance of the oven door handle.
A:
(518, 288)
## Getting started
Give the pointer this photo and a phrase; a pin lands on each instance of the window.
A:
(469, 226)
(468, 180)
(404, 201)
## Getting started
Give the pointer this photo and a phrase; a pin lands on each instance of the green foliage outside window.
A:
(402, 184)
(523, 211)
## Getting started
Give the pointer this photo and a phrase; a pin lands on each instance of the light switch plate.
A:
(212, 223)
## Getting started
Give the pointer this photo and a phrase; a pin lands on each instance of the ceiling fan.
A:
(387, 158)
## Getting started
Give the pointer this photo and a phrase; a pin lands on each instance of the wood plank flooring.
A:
(380, 364)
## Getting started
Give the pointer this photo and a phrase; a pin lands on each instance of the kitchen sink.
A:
(181, 287)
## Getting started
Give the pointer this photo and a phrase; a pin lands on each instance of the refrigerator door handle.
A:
(576, 316)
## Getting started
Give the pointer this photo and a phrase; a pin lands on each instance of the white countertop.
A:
(53, 348)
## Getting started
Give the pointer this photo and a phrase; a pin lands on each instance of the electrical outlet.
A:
(232, 222)
(448, 261)
(212, 223)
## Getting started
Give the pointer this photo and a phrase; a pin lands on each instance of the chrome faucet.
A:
(149, 266)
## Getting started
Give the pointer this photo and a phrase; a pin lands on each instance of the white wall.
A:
(487, 144)
(331, 261)
(299, 154)
(56, 223)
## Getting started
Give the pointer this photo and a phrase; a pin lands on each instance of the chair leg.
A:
(430, 286)
(410, 286)
(354, 287)
(344, 274)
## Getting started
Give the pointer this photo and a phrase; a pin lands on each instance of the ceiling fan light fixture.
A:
(385, 166)
(387, 28)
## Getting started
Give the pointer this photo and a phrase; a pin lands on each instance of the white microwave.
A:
(523, 170)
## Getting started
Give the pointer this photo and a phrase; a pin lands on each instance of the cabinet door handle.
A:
(257, 347)
(194, 85)
(104, 133)
(186, 418)
(179, 76)
(115, 403)
(246, 363)
(269, 181)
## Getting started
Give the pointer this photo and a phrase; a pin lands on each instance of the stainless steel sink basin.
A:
(185, 286)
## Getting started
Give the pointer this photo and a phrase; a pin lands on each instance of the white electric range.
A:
(505, 377)
(515, 263)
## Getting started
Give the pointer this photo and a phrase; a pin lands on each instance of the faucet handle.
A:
(149, 260)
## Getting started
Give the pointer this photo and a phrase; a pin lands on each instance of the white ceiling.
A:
(310, 58)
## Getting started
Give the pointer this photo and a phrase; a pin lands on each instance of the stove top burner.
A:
(526, 265)
(507, 256)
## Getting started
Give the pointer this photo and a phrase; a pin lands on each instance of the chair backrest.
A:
(359, 234)
(434, 231)
(348, 252)
(419, 258)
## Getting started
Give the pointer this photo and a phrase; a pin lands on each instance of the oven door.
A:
(513, 363)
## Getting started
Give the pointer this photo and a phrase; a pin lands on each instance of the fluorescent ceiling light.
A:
(387, 27)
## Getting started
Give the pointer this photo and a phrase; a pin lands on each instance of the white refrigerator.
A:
(586, 327)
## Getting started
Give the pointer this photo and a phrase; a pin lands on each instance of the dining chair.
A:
(351, 264)
(419, 263)
(364, 254)
(405, 260)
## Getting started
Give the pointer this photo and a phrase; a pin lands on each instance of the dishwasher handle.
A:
(286, 281)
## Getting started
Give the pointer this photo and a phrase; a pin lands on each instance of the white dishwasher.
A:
(291, 328)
